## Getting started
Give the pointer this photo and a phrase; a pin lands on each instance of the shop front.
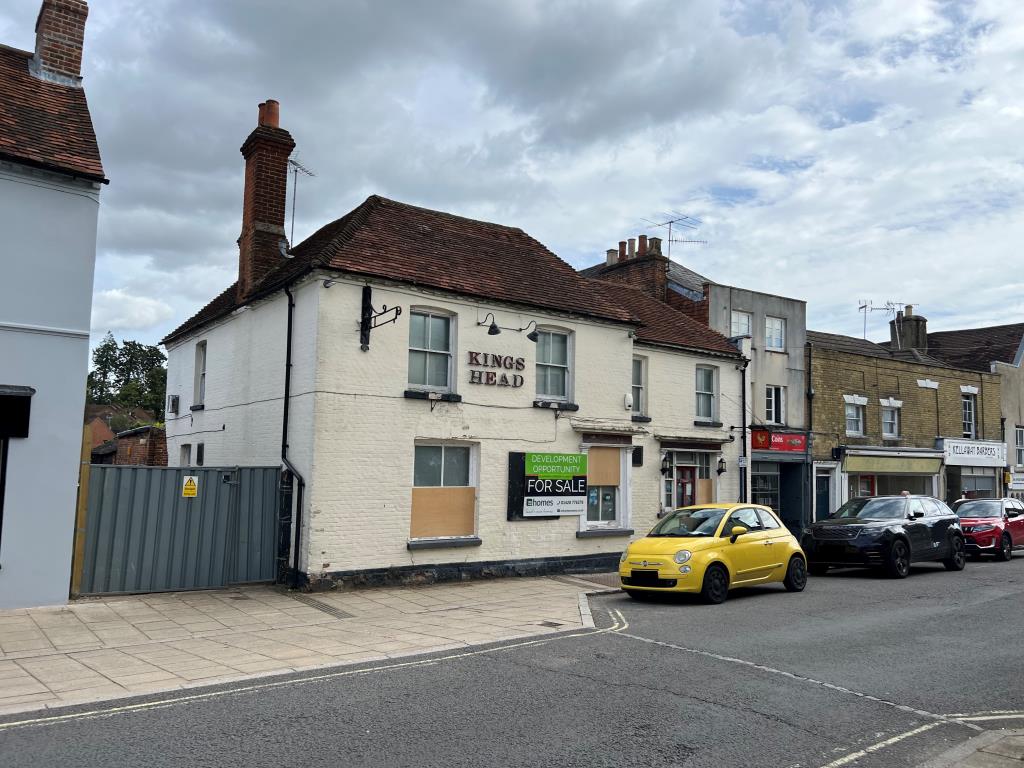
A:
(880, 471)
(779, 475)
(973, 468)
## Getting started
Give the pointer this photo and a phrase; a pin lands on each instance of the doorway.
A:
(822, 496)
(686, 486)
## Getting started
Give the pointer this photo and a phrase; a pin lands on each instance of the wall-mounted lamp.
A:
(721, 465)
(493, 330)
(666, 464)
(532, 335)
(631, 334)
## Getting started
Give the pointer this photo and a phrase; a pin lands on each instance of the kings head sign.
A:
(556, 484)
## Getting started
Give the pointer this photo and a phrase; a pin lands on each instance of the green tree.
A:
(130, 374)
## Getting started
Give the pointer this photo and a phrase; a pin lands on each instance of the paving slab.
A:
(98, 649)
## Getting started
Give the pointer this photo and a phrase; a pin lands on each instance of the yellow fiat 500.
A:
(711, 548)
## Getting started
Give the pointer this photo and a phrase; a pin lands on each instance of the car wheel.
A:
(958, 559)
(637, 595)
(796, 574)
(898, 565)
(716, 585)
(817, 569)
(1005, 550)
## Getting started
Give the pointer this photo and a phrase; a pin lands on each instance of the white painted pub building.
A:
(450, 397)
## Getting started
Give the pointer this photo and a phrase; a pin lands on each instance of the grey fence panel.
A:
(142, 535)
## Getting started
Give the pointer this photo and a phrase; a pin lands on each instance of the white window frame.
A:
(624, 493)
(740, 314)
(969, 407)
(858, 411)
(639, 391)
(569, 358)
(199, 382)
(775, 404)
(451, 317)
(474, 462)
(185, 455)
(896, 419)
(698, 392)
(1019, 432)
(769, 337)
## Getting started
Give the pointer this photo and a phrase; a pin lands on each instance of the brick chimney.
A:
(266, 154)
(909, 331)
(60, 33)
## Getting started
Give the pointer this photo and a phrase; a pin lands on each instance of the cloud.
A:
(834, 150)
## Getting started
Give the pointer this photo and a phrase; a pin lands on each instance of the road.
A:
(857, 670)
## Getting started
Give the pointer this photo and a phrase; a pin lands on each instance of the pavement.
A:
(98, 649)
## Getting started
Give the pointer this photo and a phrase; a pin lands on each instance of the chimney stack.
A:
(654, 246)
(610, 256)
(266, 153)
(909, 331)
(632, 247)
(60, 34)
(622, 250)
(642, 246)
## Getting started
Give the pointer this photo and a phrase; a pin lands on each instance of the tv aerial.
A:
(680, 221)
(296, 168)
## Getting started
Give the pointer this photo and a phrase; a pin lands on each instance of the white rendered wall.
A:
(47, 261)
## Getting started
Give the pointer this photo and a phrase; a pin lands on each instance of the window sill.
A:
(642, 419)
(199, 407)
(422, 394)
(709, 424)
(855, 434)
(597, 533)
(444, 543)
(557, 405)
(775, 351)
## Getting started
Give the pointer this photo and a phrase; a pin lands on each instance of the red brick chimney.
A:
(60, 33)
(266, 154)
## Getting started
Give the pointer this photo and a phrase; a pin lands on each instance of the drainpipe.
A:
(743, 430)
(809, 486)
(300, 482)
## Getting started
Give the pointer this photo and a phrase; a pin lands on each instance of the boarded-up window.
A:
(603, 472)
(603, 466)
(443, 501)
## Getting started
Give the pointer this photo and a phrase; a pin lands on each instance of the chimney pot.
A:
(272, 113)
(632, 247)
(910, 310)
(642, 246)
(610, 257)
(622, 250)
(654, 246)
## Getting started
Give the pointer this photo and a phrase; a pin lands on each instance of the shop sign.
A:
(555, 484)
(1017, 481)
(763, 440)
(974, 453)
(499, 365)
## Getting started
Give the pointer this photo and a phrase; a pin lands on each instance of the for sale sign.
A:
(555, 484)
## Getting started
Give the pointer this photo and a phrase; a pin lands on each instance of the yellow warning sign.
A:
(190, 487)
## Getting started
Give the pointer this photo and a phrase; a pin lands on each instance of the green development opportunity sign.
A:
(556, 484)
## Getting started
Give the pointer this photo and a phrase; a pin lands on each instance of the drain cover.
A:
(549, 623)
(320, 605)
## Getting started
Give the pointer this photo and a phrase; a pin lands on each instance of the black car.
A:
(889, 532)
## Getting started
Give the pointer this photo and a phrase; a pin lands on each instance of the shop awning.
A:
(892, 465)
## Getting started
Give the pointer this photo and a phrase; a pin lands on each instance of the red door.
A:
(686, 486)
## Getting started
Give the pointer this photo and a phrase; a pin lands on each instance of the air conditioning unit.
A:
(172, 404)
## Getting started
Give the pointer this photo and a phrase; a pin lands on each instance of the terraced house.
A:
(449, 397)
(891, 417)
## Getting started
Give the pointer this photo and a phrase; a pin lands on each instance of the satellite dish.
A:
(282, 246)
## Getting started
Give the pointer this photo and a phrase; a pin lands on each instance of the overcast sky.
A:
(834, 151)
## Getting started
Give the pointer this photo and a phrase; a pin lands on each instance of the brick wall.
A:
(148, 448)
(835, 374)
(698, 310)
(648, 273)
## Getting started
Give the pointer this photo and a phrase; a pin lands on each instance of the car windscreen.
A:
(883, 508)
(699, 521)
(985, 508)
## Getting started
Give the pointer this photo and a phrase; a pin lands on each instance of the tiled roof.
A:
(661, 324)
(45, 124)
(677, 273)
(855, 346)
(977, 348)
(396, 241)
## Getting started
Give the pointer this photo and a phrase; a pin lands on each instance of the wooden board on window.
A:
(705, 492)
(603, 466)
(443, 512)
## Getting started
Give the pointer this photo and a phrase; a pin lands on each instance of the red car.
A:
(992, 526)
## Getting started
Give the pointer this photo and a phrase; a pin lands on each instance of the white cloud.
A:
(121, 312)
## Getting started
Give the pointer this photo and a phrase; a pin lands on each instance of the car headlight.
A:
(984, 527)
(682, 556)
(624, 555)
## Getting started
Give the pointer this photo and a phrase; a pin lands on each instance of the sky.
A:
(832, 151)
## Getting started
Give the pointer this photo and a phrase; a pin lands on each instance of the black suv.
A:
(889, 532)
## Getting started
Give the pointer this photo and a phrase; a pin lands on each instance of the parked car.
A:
(992, 526)
(710, 549)
(889, 532)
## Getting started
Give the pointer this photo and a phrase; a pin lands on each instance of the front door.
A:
(686, 486)
(822, 497)
(750, 555)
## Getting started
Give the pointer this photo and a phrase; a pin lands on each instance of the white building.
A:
(50, 176)
(437, 365)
